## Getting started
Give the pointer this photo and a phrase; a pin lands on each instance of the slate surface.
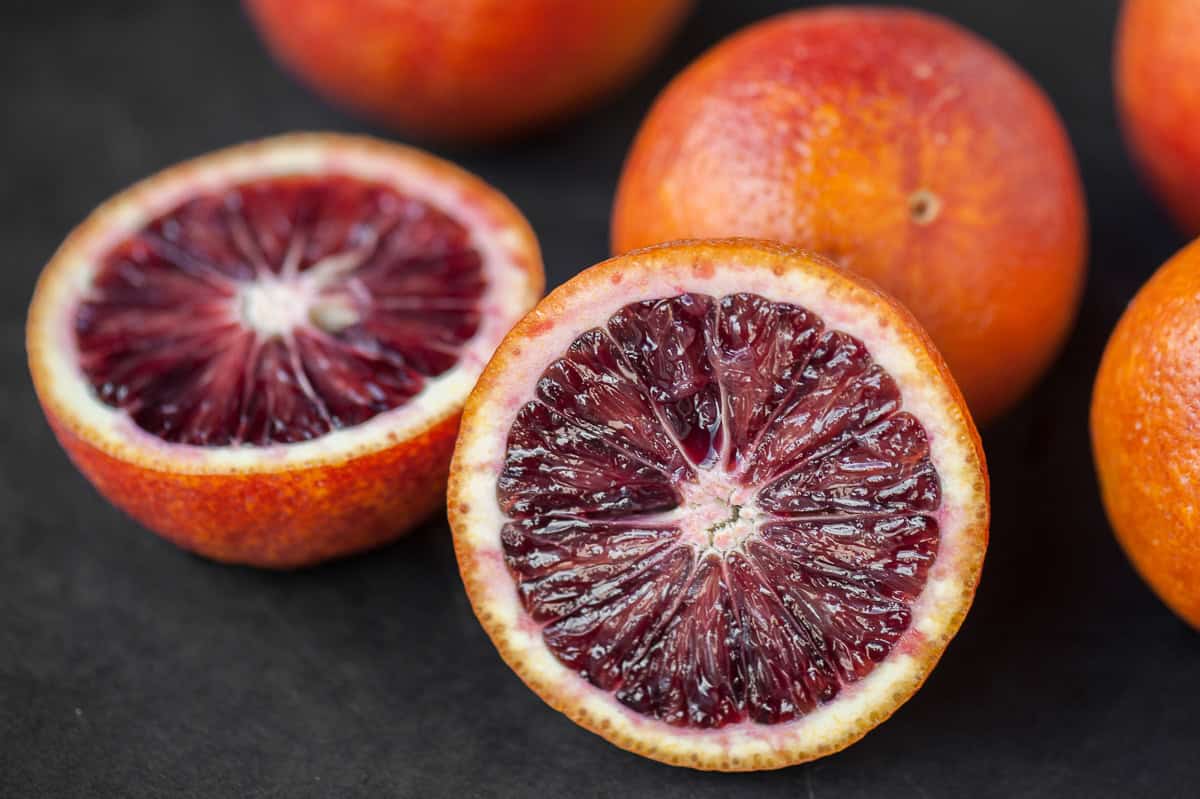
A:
(128, 668)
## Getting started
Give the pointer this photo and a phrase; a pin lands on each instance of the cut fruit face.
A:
(772, 496)
(719, 502)
(280, 308)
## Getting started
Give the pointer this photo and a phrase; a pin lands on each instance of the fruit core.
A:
(719, 513)
(279, 310)
(717, 510)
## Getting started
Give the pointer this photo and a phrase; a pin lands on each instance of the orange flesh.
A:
(278, 311)
(718, 511)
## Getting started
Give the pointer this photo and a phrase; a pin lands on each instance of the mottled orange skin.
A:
(1158, 95)
(1146, 432)
(465, 69)
(283, 519)
(902, 146)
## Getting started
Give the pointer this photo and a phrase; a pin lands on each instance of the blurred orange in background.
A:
(465, 69)
(1158, 95)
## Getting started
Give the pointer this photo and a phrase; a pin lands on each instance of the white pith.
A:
(715, 512)
(274, 306)
(936, 612)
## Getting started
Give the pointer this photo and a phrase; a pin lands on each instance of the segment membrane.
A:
(665, 345)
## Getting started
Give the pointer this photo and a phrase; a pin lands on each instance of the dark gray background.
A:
(128, 668)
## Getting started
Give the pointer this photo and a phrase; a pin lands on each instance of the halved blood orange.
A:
(262, 354)
(720, 502)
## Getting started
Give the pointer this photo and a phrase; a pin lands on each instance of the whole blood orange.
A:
(1158, 94)
(262, 354)
(720, 503)
(901, 146)
(465, 69)
(1146, 432)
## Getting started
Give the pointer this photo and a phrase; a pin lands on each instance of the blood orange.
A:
(719, 502)
(262, 354)
(1157, 60)
(902, 146)
(1146, 432)
(465, 69)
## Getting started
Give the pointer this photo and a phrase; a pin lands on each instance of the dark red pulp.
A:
(279, 310)
(687, 402)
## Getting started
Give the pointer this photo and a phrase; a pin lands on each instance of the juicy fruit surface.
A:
(279, 310)
(899, 145)
(717, 510)
(1157, 60)
(1146, 432)
(465, 69)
